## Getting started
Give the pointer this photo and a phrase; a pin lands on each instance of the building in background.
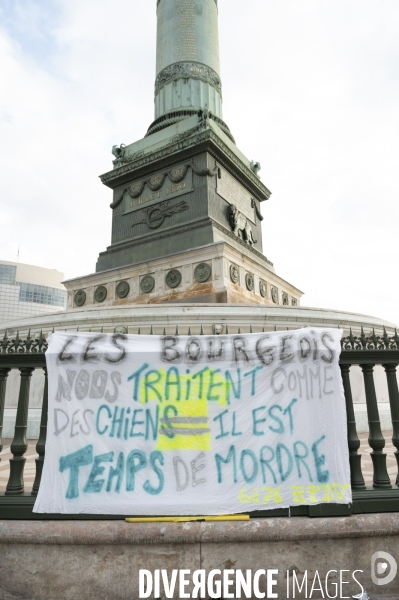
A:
(26, 290)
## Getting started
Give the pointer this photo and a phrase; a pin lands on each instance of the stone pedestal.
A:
(181, 188)
(98, 560)
(215, 273)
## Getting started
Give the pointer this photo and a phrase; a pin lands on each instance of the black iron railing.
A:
(364, 351)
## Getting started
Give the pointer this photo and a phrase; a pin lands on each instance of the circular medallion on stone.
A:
(173, 278)
(250, 283)
(263, 288)
(122, 289)
(234, 274)
(202, 272)
(80, 298)
(147, 284)
(294, 302)
(100, 294)
(275, 295)
(155, 218)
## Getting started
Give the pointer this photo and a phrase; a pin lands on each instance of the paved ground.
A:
(29, 473)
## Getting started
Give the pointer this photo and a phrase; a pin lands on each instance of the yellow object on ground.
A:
(183, 519)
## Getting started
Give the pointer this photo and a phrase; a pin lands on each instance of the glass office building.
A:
(27, 290)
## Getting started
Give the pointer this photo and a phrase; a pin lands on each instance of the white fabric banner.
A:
(164, 425)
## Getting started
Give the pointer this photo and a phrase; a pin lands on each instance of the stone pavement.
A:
(29, 473)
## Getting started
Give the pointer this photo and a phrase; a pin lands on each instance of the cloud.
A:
(310, 88)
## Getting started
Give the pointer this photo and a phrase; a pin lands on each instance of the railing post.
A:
(19, 446)
(41, 443)
(394, 402)
(357, 480)
(3, 383)
(376, 439)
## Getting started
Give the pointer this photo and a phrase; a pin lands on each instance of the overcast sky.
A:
(311, 91)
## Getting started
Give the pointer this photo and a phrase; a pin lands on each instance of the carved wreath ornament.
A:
(155, 183)
(156, 215)
(188, 70)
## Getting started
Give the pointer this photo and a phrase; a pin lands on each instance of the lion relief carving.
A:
(240, 225)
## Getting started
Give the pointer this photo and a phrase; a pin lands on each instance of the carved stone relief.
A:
(240, 225)
(285, 299)
(234, 273)
(250, 283)
(263, 288)
(188, 70)
(80, 298)
(202, 272)
(155, 216)
(149, 195)
(294, 302)
(100, 294)
(275, 295)
(155, 184)
(122, 289)
(121, 329)
(173, 278)
(147, 284)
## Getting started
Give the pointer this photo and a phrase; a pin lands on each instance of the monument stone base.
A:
(98, 560)
(215, 273)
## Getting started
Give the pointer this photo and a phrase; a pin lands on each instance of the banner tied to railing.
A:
(187, 425)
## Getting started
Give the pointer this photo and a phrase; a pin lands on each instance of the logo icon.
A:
(383, 568)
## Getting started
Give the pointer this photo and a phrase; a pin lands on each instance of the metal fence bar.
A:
(19, 445)
(357, 480)
(41, 443)
(3, 383)
(394, 402)
(376, 439)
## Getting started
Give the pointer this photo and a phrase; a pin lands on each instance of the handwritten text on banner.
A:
(164, 425)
